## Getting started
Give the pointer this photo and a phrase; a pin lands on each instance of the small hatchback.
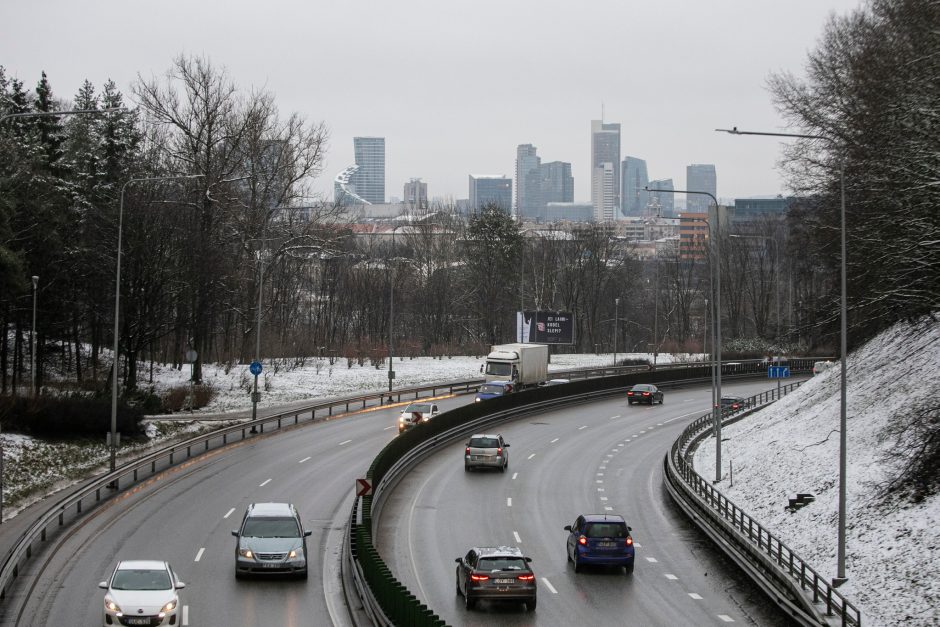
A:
(415, 414)
(271, 540)
(602, 540)
(142, 592)
(486, 451)
(492, 390)
(496, 573)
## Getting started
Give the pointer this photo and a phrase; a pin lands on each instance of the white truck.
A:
(524, 365)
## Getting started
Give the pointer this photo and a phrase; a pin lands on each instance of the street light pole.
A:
(254, 395)
(616, 327)
(117, 304)
(391, 318)
(840, 577)
(716, 317)
(32, 338)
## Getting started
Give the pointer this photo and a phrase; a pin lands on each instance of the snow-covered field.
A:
(893, 546)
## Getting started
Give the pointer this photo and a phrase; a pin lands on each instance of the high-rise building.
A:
(370, 179)
(605, 150)
(556, 184)
(527, 180)
(700, 177)
(344, 188)
(490, 190)
(416, 195)
(634, 179)
(664, 200)
(569, 212)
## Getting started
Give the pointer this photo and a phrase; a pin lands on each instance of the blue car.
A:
(602, 540)
(492, 390)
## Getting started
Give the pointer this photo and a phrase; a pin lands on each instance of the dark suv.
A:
(601, 539)
(496, 573)
(271, 540)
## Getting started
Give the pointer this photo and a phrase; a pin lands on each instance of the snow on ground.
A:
(892, 547)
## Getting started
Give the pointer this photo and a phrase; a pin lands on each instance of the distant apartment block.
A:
(605, 164)
(527, 185)
(370, 157)
(700, 177)
(490, 189)
(760, 209)
(693, 235)
(416, 195)
(634, 179)
(569, 212)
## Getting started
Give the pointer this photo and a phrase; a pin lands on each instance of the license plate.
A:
(137, 621)
(271, 565)
(498, 581)
(607, 545)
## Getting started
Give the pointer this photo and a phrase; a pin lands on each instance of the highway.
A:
(580, 459)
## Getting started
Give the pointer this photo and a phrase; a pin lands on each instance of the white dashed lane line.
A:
(515, 534)
(651, 560)
(185, 615)
(695, 596)
(726, 618)
(303, 460)
(555, 440)
(229, 513)
(549, 585)
(388, 427)
(531, 456)
(264, 483)
(515, 474)
(199, 554)
(582, 427)
(671, 577)
(345, 442)
(509, 501)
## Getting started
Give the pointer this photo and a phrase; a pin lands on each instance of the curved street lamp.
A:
(840, 577)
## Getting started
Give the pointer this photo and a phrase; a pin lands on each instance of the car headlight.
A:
(246, 553)
(110, 605)
(295, 553)
(169, 607)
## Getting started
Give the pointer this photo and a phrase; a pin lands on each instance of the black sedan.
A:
(644, 393)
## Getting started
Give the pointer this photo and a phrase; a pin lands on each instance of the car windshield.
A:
(271, 527)
(642, 388)
(420, 408)
(501, 563)
(141, 579)
(500, 370)
(491, 389)
(484, 443)
(605, 530)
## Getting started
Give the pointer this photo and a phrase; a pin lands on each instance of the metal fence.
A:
(773, 565)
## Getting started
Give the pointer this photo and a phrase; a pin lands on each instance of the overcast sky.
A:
(454, 86)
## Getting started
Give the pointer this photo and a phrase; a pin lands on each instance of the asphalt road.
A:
(562, 463)
(603, 457)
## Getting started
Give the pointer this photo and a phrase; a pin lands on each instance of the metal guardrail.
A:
(72, 506)
(789, 580)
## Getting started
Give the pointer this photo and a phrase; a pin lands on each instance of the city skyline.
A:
(408, 96)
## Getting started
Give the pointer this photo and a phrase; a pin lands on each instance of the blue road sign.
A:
(778, 372)
(255, 368)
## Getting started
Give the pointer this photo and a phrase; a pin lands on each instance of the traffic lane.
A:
(183, 511)
(553, 457)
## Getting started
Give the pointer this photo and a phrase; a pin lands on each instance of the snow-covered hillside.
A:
(892, 546)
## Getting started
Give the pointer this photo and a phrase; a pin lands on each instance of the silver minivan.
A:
(271, 540)
(486, 451)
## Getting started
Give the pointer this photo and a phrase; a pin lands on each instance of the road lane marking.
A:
(266, 482)
(185, 615)
(598, 481)
(515, 534)
(582, 427)
(637, 545)
(603, 498)
(671, 577)
(515, 474)
(609, 509)
(303, 460)
(229, 513)
(651, 560)
(553, 441)
(549, 585)
(508, 501)
(697, 597)
(345, 442)
(199, 554)
(531, 456)
(388, 427)
(600, 489)
(600, 474)
(659, 424)
(726, 618)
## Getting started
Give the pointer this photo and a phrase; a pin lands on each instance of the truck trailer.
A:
(525, 365)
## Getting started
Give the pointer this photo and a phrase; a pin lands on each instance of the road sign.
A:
(778, 372)
(255, 368)
(363, 487)
(191, 356)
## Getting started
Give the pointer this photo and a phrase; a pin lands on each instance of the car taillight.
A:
(468, 450)
(479, 577)
(582, 541)
(629, 393)
(526, 577)
(646, 393)
(499, 452)
(629, 541)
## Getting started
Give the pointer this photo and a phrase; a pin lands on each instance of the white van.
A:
(821, 366)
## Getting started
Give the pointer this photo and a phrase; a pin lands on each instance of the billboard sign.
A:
(544, 327)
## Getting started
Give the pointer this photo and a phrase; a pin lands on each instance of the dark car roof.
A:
(610, 518)
(643, 386)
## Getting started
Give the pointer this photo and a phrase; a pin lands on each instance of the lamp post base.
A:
(838, 581)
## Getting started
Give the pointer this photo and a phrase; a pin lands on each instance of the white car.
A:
(142, 592)
(416, 413)
(821, 366)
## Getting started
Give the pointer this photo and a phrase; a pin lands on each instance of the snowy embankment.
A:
(892, 544)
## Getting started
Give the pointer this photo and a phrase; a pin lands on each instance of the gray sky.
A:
(455, 86)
